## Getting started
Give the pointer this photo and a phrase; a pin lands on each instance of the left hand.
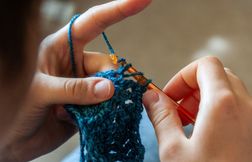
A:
(42, 123)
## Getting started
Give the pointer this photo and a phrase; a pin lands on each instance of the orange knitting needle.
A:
(143, 80)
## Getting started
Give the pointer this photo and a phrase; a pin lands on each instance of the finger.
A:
(191, 104)
(81, 91)
(164, 117)
(90, 24)
(212, 79)
(183, 87)
(236, 83)
(94, 62)
(184, 83)
(96, 19)
(217, 97)
(209, 78)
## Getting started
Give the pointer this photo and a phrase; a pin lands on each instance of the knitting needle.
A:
(143, 80)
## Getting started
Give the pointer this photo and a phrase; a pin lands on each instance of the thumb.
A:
(81, 91)
(164, 117)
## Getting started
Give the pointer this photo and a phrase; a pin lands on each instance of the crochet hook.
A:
(143, 80)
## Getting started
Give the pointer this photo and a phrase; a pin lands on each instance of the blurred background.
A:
(165, 37)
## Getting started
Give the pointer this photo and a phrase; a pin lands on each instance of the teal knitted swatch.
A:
(109, 131)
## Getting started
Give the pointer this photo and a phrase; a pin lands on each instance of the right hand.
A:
(223, 129)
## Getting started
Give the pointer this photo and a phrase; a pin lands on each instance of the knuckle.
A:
(160, 114)
(225, 102)
(75, 88)
(212, 59)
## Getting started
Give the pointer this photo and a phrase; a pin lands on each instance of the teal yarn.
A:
(110, 48)
(109, 131)
(70, 42)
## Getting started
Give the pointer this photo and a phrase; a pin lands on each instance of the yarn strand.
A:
(110, 48)
(109, 131)
(70, 42)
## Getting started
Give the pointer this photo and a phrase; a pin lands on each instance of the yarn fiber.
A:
(109, 131)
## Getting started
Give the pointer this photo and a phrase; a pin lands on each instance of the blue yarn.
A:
(111, 50)
(109, 131)
(70, 42)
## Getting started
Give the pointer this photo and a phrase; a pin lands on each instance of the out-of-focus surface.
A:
(167, 36)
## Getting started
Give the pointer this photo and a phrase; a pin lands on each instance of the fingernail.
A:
(102, 89)
(150, 97)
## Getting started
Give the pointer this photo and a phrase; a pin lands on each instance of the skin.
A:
(37, 123)
(222, 131)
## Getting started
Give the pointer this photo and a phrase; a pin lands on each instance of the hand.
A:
(42, 124)
(223, 130)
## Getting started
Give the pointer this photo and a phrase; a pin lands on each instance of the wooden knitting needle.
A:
(143, 81)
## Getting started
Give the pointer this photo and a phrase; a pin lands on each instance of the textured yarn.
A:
(109, 131)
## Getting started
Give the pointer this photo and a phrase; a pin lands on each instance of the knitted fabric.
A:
(109, 131)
